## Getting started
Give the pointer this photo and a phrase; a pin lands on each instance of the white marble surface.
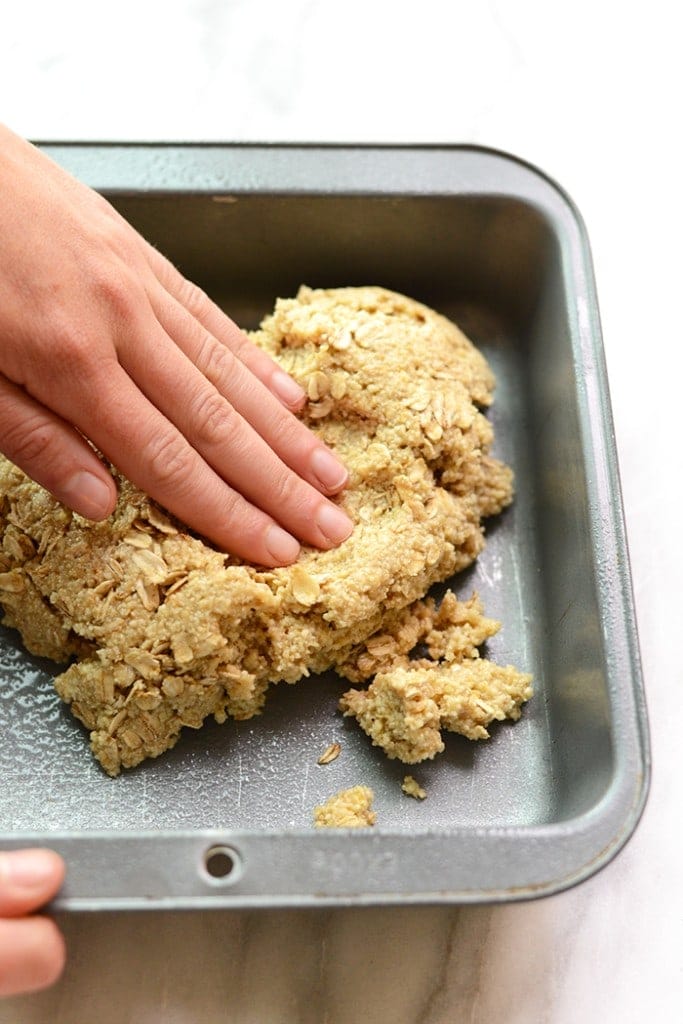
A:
(589, 91)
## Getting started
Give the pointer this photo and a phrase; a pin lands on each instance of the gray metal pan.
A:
(225, 818)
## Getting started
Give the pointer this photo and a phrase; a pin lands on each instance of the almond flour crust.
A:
(162, 630)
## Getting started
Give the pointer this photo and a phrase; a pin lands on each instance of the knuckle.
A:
(114, 291)
(215, 360)
(192, 296)
(168, 461)
(288, 491)
(68, 349)
(215, 420)
(30, 442)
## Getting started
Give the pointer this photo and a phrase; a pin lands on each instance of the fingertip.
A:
(49, 953)
(284, 387)
(58, 868)
(35, 872)
(329, 472)
(281, 546)
(90, 495)
(32, 955)
(333, 523)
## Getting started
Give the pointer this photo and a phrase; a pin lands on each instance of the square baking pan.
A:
(225, 818)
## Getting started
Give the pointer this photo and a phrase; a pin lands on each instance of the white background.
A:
(590, 92)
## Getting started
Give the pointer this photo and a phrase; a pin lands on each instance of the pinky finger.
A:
(54, 454)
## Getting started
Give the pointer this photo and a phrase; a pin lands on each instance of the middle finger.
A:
(294, 443)
(224, 438)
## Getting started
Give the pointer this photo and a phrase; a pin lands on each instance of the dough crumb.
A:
(413, 788)
(351, 808)
(403, 711)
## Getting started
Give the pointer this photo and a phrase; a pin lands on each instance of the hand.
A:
(101, 338)
(32, 951)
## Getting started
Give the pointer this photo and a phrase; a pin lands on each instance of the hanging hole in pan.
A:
(222, 864)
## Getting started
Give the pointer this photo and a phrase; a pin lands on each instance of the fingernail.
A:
(334, 523)
(287, 389)
(27, 869)
(328, 470)
(88, 495)
(281, 546)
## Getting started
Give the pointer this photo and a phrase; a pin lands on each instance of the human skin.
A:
(32, 951)
(102, 340)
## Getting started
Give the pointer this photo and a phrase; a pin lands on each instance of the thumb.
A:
(28, 879)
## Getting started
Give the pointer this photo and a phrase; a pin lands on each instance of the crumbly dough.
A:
(351, 808)
(411, 787)
(162, 630)
(404, 710)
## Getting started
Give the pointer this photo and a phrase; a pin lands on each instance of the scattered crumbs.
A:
(351, 808)
(331, 754)
(412, 788)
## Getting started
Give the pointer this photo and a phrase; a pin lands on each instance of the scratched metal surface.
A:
(546, 801)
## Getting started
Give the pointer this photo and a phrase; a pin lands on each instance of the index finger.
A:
(225, 330)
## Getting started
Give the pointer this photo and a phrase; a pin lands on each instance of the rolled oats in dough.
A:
(161, 630)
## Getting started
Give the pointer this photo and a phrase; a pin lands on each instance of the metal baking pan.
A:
(225, 818)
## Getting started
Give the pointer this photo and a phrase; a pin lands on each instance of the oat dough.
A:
(351, 808)
(161, 630)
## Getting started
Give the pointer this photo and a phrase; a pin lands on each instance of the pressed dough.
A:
(161, 630)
